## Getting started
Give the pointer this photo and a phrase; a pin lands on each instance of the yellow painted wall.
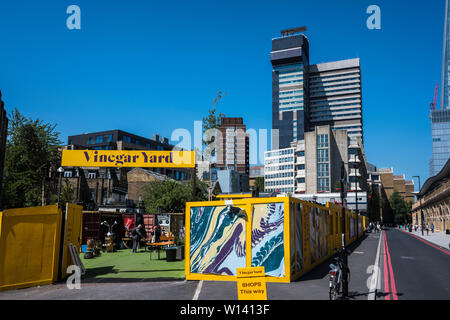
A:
(29, 246)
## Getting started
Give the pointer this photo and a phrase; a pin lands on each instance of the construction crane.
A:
(433, 104)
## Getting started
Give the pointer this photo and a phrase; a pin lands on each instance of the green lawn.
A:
(124, 264)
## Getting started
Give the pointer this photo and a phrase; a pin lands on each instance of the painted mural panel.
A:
(352, 227)
(217, 241)
(312, 234)
(292, 236)
(268, 238)
(299, 237)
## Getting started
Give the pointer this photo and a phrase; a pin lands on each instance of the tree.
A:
(210, 124)
(31, 150)
(400, 207)
(374, 203)
(171, 196)
(259, 183)
(67, 192)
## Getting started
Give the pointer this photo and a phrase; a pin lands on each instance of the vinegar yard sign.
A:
(121, 158)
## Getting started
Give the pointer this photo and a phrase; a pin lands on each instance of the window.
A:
(322, 141)
(110, 138)
(99, 139)
(92, 175)
(90, 140)
(67, 174)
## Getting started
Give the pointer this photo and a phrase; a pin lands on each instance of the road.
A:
(412, 269)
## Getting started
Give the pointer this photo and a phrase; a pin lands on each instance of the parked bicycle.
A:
(338, 270)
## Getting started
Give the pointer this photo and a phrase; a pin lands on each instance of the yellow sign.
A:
(251, 283)
(121, 158)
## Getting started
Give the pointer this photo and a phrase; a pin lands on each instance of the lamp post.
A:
(421, 212)
(356, 166)
(60, 170)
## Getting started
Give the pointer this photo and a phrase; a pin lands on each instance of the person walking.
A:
(427, 228)
(137, 235)
(432, 228)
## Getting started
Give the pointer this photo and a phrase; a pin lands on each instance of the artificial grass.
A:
(124, 264)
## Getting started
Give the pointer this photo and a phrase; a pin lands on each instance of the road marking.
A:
(358, 252)
(391, 272)
(407, 258)
(374, 281)
(386, 273)
(197, 291)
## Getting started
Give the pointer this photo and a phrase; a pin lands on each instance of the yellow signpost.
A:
(128, 158)
(251, 283)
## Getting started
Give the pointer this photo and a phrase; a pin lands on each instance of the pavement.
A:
(312, 286)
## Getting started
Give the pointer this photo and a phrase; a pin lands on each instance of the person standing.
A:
(427, 228)
(137, 235)
(432, 228)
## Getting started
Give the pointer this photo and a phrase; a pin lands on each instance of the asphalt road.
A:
(413, 269)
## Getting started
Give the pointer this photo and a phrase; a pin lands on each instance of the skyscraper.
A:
(440, 119)
(290, 60)
(335, 96)
(233, 146)
(305, 96)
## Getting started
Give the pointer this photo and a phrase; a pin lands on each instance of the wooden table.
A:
(158, 246)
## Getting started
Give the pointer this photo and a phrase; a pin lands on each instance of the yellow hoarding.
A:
(122, 158)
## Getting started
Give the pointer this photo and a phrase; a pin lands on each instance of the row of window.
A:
(281, 152)
(279, 175)
(278, 168)
(279, 183)
(333, 112)
(320, 93)
(316, 84)
(320, 102)
(331, 106)
(284, 190)
(337, 76)
(322, 88)
(335, 116)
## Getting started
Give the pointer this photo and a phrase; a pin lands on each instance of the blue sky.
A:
(154, 66)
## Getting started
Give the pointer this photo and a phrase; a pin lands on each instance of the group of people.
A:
(137, 235)
(374, 226)
(426, 227)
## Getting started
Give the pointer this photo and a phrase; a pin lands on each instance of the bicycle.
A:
(336, 274)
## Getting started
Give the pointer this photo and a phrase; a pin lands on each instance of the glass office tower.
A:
(290, 60)
(440, 119)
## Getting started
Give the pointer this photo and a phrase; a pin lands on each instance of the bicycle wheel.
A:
(334, 291)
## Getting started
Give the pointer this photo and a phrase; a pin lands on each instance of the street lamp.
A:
(421, 212)
(60, 170)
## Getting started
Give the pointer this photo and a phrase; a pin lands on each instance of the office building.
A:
(313, 165)
(305, 96)
(440, 134)
(233, 146)
(440, 119)
(290, 61)
(335, 97)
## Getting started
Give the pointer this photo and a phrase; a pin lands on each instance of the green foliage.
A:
(374, 204)
(210, 125)
(171, 196)
(400, 207)
(259, 183)
(31, 150)
(67, 192)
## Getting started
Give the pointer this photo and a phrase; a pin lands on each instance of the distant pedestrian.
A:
(415, 227)
(432, 228)
(427, 229)
(137, 235)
